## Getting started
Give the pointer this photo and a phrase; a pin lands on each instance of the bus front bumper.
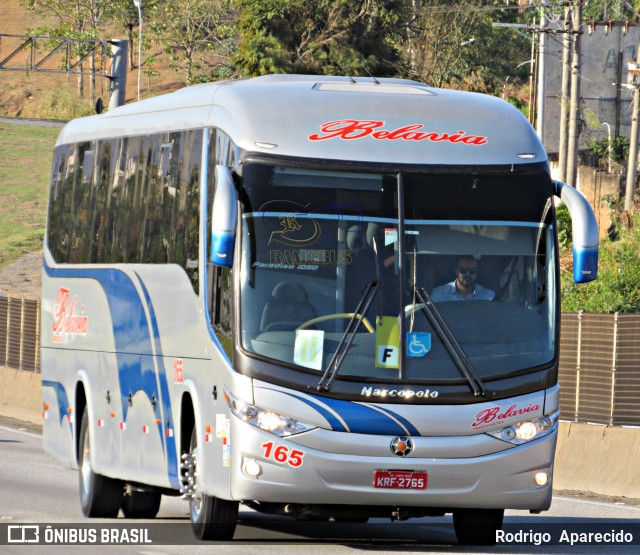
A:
(268, 468)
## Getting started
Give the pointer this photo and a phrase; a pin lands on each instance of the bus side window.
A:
(222, 306)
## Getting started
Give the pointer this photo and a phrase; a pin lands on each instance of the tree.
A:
(318, 37)
(451, 43)
(617, 10)
(617, 288)
(77, 19)
(196, 34)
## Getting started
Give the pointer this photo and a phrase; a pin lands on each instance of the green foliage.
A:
(563, 221)
(60, 104)
(599, 10)
(453, 44)
(319, 37)
(617, 288)
(26, 153)
(619, 150)
(195, 35)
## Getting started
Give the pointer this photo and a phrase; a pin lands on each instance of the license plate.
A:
(399, 479)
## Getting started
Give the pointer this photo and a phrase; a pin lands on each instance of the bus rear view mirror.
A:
(584, 232)
(224, 214)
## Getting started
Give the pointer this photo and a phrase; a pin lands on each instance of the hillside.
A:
(21, 92)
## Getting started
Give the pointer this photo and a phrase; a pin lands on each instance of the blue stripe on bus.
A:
(61, 397)
(169, 442)
(336, 425)
(411, 429)
(359, 218)
(131, 335)
(362, 419)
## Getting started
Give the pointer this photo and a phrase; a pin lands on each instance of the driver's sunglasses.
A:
(470, 271)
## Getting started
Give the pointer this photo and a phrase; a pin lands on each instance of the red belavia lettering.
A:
(487, 417)
(65, 321)
(350, 129)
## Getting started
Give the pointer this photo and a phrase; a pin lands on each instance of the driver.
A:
(464, 287)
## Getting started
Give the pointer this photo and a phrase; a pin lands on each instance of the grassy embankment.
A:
(25, 165)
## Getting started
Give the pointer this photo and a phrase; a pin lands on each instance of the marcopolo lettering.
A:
(403, 393)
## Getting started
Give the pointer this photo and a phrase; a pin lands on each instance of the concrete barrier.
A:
(589, 458)
(598, 459)
(20, 395)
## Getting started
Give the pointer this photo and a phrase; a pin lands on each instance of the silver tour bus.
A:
(322, 297)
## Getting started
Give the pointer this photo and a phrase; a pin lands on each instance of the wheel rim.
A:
(85, 467)
(196, 500)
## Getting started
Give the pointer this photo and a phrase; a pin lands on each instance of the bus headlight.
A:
(522, 432)
(267, 420)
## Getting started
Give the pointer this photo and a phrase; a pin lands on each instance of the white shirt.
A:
(449, 292)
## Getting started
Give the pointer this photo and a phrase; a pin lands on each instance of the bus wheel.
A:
(100, 497)
(477, 526)
(141, 504)
(211, 518)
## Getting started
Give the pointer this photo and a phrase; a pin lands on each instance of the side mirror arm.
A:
(585, 232)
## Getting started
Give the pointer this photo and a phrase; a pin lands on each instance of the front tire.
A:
(477, 526)
(211, 518)
(100, 496)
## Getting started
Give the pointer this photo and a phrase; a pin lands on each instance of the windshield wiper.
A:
(348, 336)
(451, 344)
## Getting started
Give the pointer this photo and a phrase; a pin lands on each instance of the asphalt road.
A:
(35, 489)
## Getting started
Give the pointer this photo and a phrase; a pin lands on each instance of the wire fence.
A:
(599, 370)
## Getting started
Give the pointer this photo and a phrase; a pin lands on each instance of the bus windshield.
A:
(339, 267)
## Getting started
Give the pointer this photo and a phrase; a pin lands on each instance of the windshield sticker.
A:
(308, 348)
(350, 129)
(418, 344)
(295, 232)
(387, 342)
(303, 235)
(390, 236)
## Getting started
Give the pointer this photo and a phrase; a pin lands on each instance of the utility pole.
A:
(119, 50)
(574, 110)
(634, 82)
(564, 100)
(541, 76)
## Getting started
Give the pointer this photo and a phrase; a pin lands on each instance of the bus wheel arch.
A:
(80, 406)
(100, 496)
(212, 518)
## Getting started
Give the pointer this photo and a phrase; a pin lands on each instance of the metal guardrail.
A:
(20, 333)
(599, 370)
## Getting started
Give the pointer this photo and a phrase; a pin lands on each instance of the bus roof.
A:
(334, 118)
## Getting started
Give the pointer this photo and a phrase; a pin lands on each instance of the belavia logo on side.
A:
(350, 129)
(489, 417)
(65, 322)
